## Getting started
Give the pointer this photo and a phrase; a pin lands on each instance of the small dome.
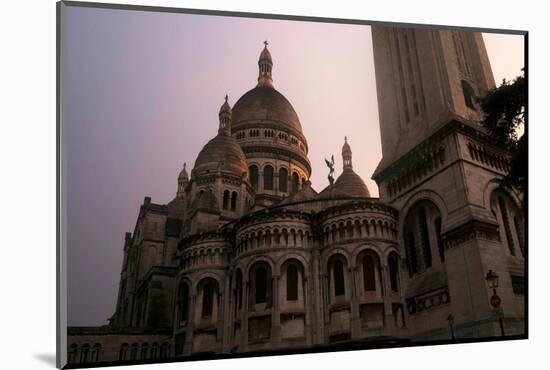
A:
(351, 183)
(222, 152)
(264, 103)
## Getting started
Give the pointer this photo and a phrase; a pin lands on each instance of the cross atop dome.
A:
(265, 43)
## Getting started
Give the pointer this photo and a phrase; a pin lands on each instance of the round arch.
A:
(493, 186)
(207, 274)
(262, 258)
(326, 257)
(428, 195)
(294, 256)
(364, 247)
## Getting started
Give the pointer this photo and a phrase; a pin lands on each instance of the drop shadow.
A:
(47, 358)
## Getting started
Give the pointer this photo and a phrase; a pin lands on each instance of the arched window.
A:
(154, 350)
(71, 358)
(123, 353)
(506, 222)
(234, 201)
(268, 178)
(510, 221)
(393, 266)
(295, 182)
(260, 280)
(338, 277)
(164, 350)
(183, 302)
(134, 351)
(254, 176)
(96, 350)
(226, 199)
(84, 350)
(440, 247)
(469, 95)
(421, 232)
(292, 283)
(410, 250)
(208, 298)
(519, 229)
(144, 351)
(283, 180)
(425, 237)
(238, 290)
(369, 279)
(261, 285)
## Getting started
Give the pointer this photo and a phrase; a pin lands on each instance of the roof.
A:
(351, 183)
(332, 192)
(265, 55)
(222, 152)
(305, 193)
(264, 103)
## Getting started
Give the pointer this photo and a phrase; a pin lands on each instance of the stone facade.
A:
(248, 257)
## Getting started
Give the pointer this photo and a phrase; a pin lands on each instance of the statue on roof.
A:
(330, 165)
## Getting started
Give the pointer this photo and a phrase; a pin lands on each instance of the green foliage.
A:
(504, 107)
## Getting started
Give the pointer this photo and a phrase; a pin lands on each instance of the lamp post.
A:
(492, 282)
(451, 320)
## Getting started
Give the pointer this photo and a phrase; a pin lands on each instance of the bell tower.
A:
(441, 171)
(425, 78)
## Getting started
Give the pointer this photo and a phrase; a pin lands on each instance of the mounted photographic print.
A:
(236, 185)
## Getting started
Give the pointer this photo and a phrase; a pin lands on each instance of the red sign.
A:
(495, 301)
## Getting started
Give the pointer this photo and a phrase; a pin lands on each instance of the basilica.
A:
(249, 258)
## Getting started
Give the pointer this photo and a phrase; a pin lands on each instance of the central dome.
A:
(264, 103)
(267, 128)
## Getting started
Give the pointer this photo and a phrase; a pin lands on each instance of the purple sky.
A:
(141, 96)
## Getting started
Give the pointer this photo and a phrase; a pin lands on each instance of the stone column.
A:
(220, 319)
(355, 321)
(317, 303)
(325, 302)
(188, 346)
(227, 317)
(308, 309)
(387, 297)
(275, 314)
(244, 316)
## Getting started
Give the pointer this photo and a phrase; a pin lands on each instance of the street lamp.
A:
(492, 282)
